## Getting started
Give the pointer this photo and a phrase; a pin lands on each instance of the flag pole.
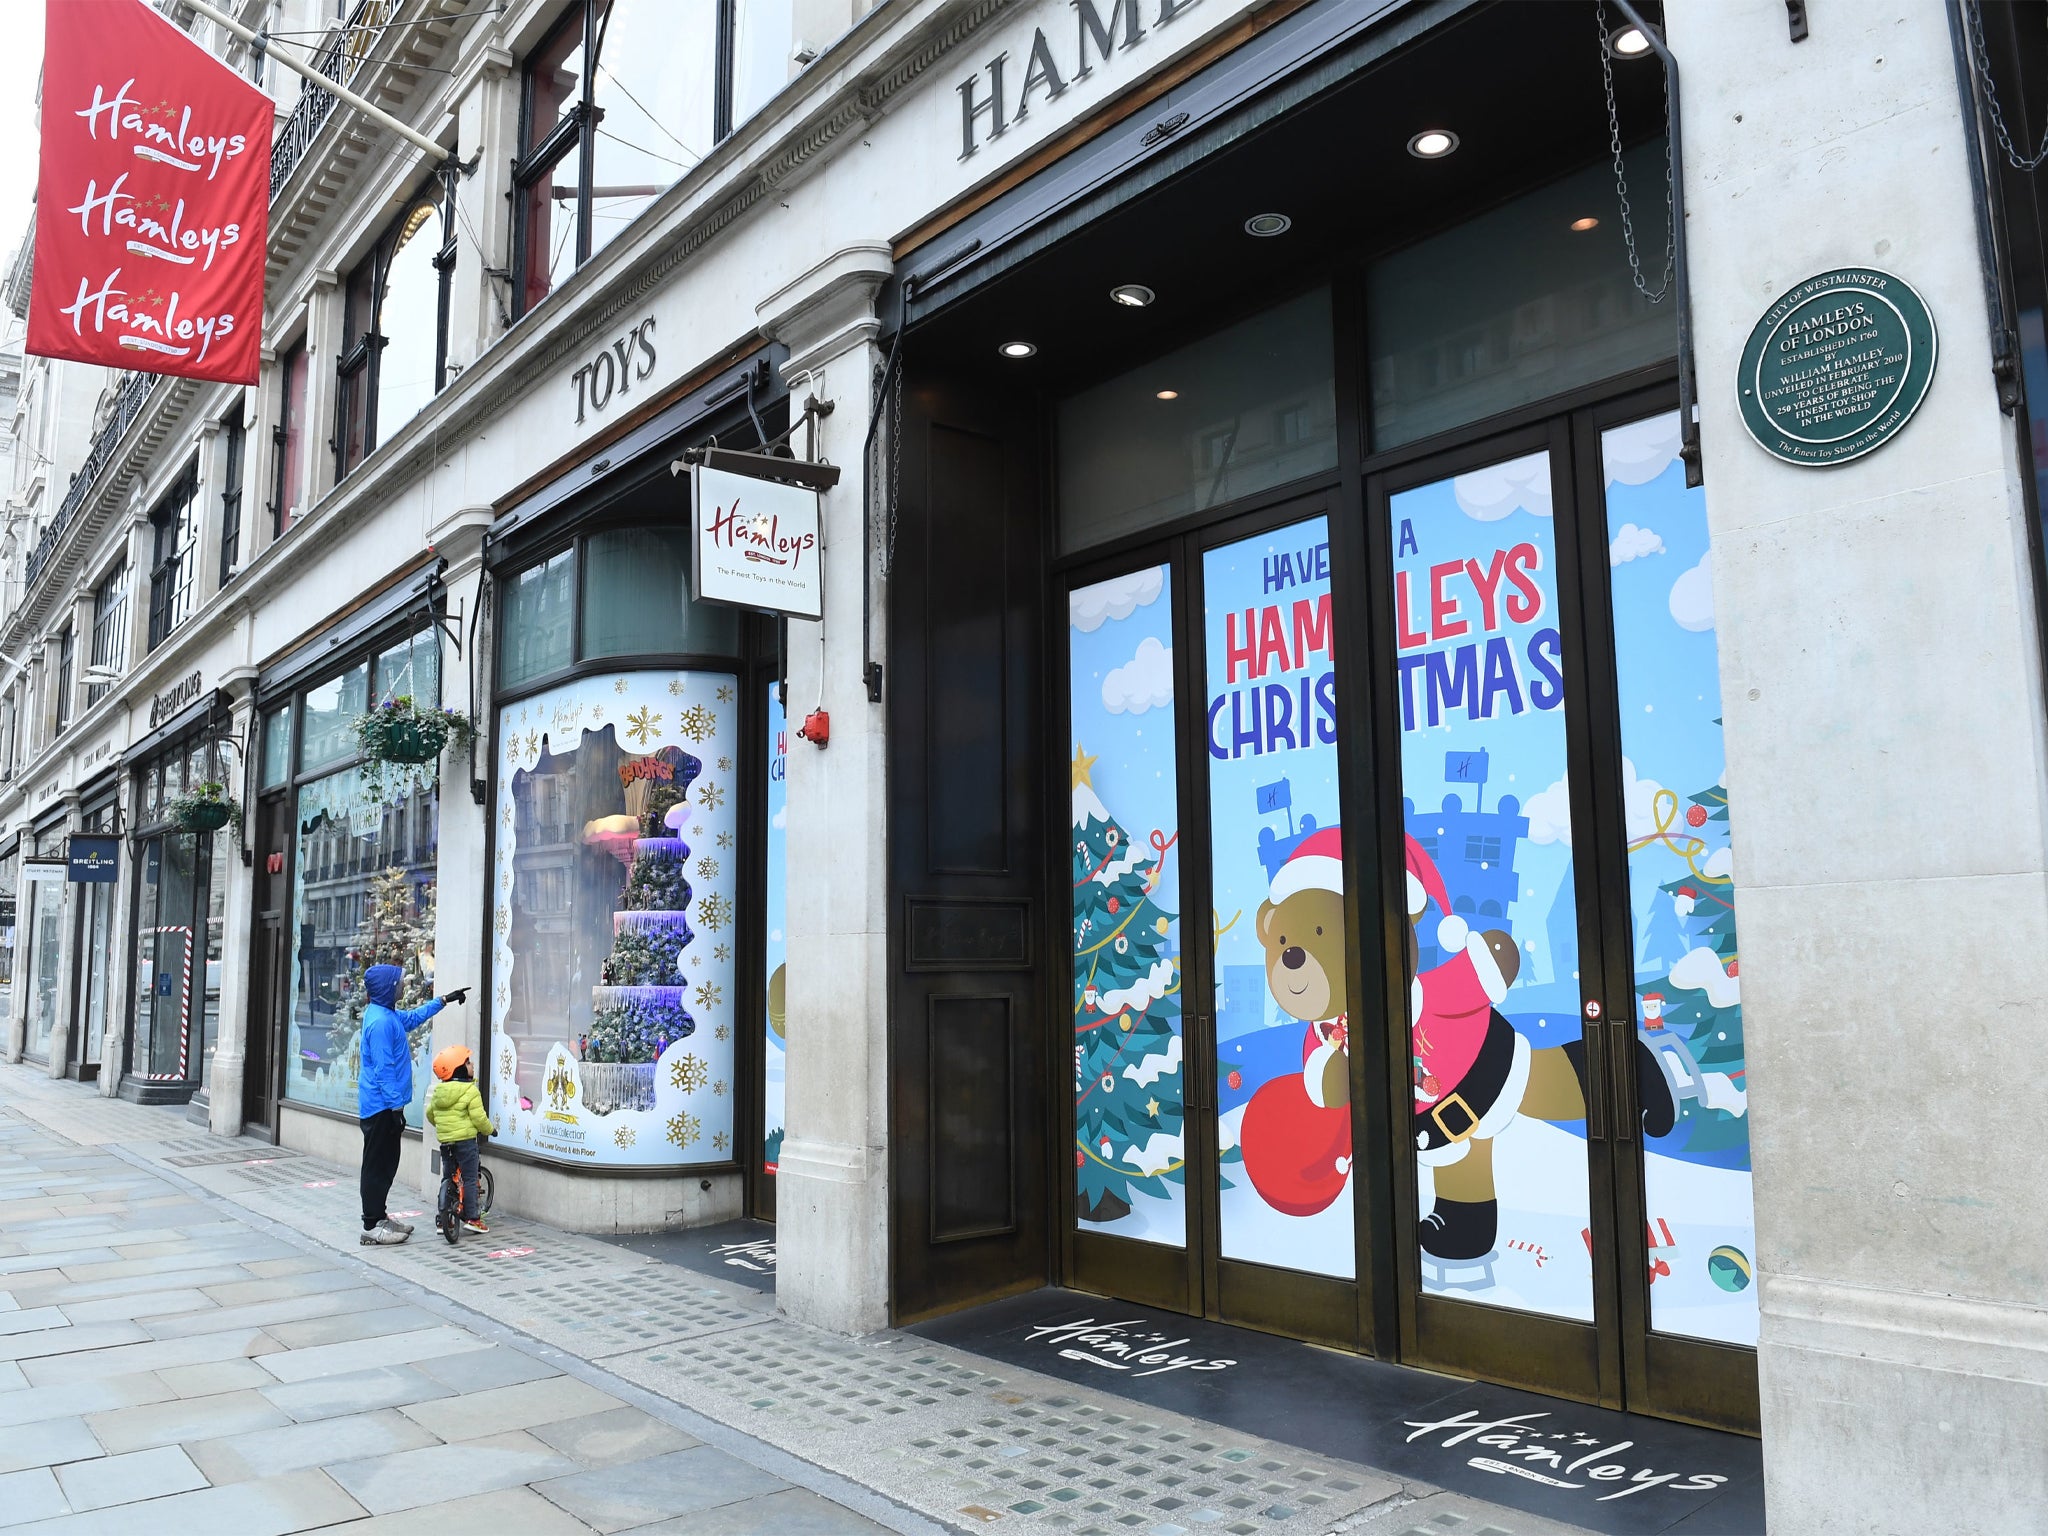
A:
(375, 113)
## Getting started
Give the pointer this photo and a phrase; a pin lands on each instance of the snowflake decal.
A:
(714, 912)
(725, 839)
(643, 725)
(687, 1073)
(625, 1136)
(709, 996)
(511, 1124)
(675, 686)
(718, 1141)
(718, 1089)
(696, 959)
(504, 1000)
(707, 869)
(697, 722)
(683, 1130)
(510, 815)
(725, 765)
(504, 922)
(710, 796)
(722, 952)
(725, 695)
(723, 1032)
(619, 685)
(505, 1061)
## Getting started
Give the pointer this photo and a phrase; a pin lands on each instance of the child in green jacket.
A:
(456, 1111)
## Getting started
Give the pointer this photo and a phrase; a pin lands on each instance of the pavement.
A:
(192, 1340)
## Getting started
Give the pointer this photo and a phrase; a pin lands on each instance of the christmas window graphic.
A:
(613, 919)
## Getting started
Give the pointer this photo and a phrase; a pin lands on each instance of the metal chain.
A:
(1628, 231)
(1980, 61)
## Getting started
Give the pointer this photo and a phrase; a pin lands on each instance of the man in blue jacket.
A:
(384, 1088)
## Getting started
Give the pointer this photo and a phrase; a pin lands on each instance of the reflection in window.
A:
(1251, 407)
(636, 599)
(288, 494)
(394, 358)
(540, 608)
(171, 570)
(330, 710)
(277, 746)
(363, 894)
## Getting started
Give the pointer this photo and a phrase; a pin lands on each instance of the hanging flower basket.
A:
(399, 734)
(206, 809)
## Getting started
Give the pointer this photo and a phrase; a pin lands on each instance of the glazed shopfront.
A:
(1308, 813)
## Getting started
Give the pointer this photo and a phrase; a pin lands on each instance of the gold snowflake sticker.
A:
(725, 765)
(725, 839)
(707, 868)
(511, 815)
(723, 1032)
(722, 952)
(619, 685)
(675, 686)
(643, 725)
(709, 996)
(710, 796)
(718, 1141)
(725, 695)
(687, 1073)
(505, 1058)
(511, 1124)
(683, 1130)
(504, 921)
(718, 1089)
(697, 722)
(624, 1136)
(504, 1000)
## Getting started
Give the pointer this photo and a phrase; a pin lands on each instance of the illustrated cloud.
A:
(1692, 596)
(1632, 543)
(1488, 495)
(1144, 682)
(1117, 598)
(1641, 451)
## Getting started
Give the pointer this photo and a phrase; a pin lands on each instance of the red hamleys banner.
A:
(152, 199)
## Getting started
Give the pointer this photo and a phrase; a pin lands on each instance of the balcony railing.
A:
(128, 403)
(341, 58)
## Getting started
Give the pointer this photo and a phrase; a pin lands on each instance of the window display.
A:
(613, 971)
(363, 894)
(778, 944)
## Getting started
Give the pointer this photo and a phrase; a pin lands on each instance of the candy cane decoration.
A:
(184, 1015)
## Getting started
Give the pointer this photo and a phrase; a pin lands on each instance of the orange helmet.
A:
(447, 1060)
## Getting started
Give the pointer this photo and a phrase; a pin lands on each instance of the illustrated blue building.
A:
(1475, 853)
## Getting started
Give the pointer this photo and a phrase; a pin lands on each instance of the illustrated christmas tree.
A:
(1712, 1033)
(1127, 1047)
(396, 930)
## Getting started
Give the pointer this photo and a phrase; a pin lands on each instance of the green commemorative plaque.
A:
(1837, 366)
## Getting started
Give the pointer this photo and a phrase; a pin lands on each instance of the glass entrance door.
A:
(1213, 1089)
(1576, 1104)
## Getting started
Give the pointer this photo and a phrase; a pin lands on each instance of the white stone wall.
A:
(1886, 771)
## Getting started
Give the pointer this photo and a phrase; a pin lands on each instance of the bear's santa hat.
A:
(1453, 934)
(1317, 864)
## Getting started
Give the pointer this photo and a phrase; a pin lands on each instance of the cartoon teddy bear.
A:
(1296, 1131)
(1474, 1072)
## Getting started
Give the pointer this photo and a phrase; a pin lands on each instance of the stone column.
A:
(1881, 678)
(68, 940)
(231, 1042)
(832, 1190)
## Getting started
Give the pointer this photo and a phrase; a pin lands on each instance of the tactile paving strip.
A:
(625, 1311)
(816, 1382)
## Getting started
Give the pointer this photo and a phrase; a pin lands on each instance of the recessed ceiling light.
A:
(1132, 295)
(1580, 226)
(1432, 143)
(1168, 394)
(1266, 225)
(1018, 349)
(1628, 43)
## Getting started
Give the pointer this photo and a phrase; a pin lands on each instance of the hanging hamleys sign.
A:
(153, 199)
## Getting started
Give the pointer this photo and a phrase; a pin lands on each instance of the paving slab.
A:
(437, 1473)
(185, 1419)
(613, 1438)
(31, 1404)
(30, 1496)
(214, 1376)
(658, 1488)
(497, 1366)
(241, 1290)
(47, 1443)
(45, 1341)
(137, 1304)
(211, 1318)
(790, 1512)
(475, 1415)
(392, 1349)
(128, 1479)
(364, 1323)
(126, 1359)
(271, 1506)
(321, 1443)
(31, 1320)
(326, 1397)
(506, 1512)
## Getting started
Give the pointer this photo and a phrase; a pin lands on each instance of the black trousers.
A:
(463, 1155)
(382, 1135)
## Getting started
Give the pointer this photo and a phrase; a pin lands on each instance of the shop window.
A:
(395, 326)
(231, 495)
(764, 40)
(373, 906)
(67, 666)
(1515, 306)
(277, 746)
(177, 936)
(109, 629)
(170, 575)
(774, 1036)
(1248, 408)
(636, 598)
(46, 919)
(411, 669)
(623, 98)
(617, 1006)
(288, 494)
(539, 620)
(330, 711)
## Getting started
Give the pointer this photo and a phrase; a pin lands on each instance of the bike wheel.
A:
(483, 1191)
(450, 1214)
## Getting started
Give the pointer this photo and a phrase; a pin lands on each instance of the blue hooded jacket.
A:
(386, 1079)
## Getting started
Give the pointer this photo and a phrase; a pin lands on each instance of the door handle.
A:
(1627, 1112)
(1593, 1048)
(1195, 1092)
